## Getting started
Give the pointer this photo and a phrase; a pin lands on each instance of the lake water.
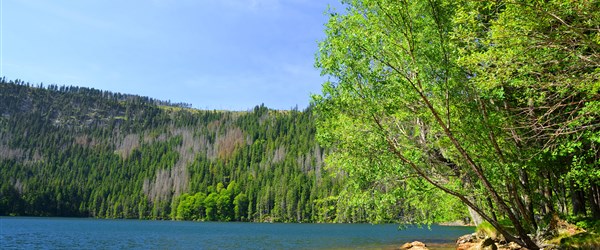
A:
(68, 233)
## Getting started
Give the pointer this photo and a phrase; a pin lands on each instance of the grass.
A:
(573, 233)
(583, 240)
(486, 228)
(578, 233)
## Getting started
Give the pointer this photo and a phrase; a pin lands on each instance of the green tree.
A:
(224, 206)
(417, 95)
(240, 208)
(537, 63)
(211, 207)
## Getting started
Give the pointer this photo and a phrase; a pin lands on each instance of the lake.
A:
(77, 233)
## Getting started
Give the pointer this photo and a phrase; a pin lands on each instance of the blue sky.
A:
(214, 54)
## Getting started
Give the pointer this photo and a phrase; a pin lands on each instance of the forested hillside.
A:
(71, 151)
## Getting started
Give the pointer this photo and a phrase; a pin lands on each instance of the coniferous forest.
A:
(73, 151)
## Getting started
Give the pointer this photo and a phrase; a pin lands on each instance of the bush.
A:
(586, 223)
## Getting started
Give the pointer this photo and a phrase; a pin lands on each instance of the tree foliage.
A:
(491, 103)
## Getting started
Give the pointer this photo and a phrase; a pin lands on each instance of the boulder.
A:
(418, 244)
(472, 242)
(415, 245)
(406, 245)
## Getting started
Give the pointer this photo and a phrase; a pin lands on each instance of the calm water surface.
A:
(67, 233)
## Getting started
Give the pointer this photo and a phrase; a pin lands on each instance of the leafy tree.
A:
(240, 208)
(417, 98)
(211, 207)
(537, 62)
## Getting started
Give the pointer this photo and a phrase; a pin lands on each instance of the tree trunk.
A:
(594, 199)
(547, 207)
(526, 198)
(561, 192)
(491, 204)
(578, 201)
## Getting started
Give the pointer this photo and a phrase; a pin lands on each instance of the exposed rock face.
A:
(415, 245)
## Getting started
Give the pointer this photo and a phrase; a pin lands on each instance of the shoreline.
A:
(441, 246)
(456, 224)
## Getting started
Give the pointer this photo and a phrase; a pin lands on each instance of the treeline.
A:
(91, 92)
(74, 151)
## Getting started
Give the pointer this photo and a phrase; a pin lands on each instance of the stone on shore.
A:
(467, 242)
(467, 246)
(472, 242)
(415, 245)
